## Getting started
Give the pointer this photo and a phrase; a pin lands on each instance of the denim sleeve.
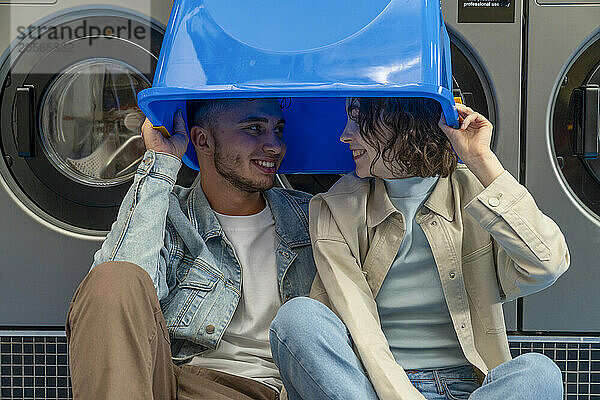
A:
(139, 234)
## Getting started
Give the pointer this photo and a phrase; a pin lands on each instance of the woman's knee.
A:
(541, 373)
(303, 317)
(539, 362)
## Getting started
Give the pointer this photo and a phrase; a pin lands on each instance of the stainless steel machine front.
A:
(562, 168)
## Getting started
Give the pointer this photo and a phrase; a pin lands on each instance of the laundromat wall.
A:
(531, 66)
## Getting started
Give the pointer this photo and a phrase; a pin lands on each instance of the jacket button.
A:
(210, 329)
(285, 254)
(452, 275)
(433, 223)
(494, 202)
(424, 211)
(463, 326)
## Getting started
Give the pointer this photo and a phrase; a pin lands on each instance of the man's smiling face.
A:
(249, 145)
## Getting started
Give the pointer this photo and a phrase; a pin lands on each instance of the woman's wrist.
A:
(485, 167)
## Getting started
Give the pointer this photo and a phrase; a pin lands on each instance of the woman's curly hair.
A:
(405, 133)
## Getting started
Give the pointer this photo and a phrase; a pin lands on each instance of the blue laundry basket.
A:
(315, 52)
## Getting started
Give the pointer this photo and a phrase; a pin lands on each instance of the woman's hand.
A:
(471, 142)
(174, 145)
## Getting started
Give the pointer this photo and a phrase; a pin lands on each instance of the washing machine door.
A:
(70, 125)
(576, 127)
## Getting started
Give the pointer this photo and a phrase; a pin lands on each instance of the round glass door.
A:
(70, 132)
(576, 127)
(90, 122)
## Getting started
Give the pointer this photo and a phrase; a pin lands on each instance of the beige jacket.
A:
(490, 245)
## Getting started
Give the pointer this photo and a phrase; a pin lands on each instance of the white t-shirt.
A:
(244, 349)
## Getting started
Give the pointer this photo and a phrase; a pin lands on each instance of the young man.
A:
(222, 256)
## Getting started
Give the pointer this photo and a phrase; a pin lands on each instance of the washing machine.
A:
(562, 168)
(562, 171)
(69, 144)
(69, 140)
(486, 65)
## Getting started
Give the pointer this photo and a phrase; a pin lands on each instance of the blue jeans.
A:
(313, 350)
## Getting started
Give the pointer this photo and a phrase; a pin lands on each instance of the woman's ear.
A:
(202, 139)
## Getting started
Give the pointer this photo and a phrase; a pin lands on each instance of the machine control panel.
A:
(567, 2)
(486, 11)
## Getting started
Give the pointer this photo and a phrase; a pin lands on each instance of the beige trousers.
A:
(119, 345)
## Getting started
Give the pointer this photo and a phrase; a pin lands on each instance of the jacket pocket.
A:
(185, 300)
(482, 289)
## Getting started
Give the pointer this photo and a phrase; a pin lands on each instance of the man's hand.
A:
(472, 144)
(174, 145)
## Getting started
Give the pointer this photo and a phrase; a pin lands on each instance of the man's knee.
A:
(111, 283)
(117, 273)
(307, 318)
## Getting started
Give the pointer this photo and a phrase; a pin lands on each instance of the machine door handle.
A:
(587, 121)
(458, 96)
(25, 121)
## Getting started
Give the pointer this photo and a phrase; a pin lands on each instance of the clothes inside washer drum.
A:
(109, 161)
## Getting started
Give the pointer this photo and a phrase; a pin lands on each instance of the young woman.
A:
(415, 256)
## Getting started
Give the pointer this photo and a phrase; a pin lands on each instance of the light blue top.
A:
(413, 312)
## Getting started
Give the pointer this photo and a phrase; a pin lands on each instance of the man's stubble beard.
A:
(228, 167)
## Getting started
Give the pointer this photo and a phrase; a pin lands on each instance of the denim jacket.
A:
(173, 234)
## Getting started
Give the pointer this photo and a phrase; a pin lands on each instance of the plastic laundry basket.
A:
(315, 52)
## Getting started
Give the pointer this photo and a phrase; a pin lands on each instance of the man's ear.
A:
(202, 139)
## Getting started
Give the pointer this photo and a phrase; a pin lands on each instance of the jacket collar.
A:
(441, 200)
(201, 215)
(291, 223)
(379, 206)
